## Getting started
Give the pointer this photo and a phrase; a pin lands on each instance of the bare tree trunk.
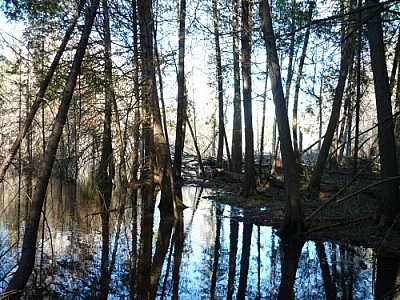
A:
(346, 58)
(358, 96)
(181, 110)
(298, 81)
(389, 205)
(27, 261)
(106, 170)
(220, 92)
(159, 148)
(39, 96)
(294, 219)
(261, 154)
(249, 185)
(237, 151)
(291, 58)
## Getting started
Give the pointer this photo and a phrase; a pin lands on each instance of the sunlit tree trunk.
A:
(27, 260)
(294, 220)
(181, 111)
(220, 92)
(346, 58)
(249, 185)
(237, 103)
(389, 204)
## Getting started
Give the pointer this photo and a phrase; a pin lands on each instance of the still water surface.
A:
(208, 254)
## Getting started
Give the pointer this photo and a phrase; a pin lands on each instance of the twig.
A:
(109, 211)
(337, 224)
(368, 187)
(339, 192)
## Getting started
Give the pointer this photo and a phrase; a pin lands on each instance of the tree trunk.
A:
(346, 58)
(237, 103)
(389, 205)
(261, 154)
(27, 261)
(298, 81)
(106, 170)
(294, 220)
(249, 185)
(159, 148)
(181, 110)
(220, 91)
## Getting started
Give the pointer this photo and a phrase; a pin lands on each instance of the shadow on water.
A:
(207, 254)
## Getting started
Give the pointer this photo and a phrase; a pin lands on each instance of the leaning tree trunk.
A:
(389, 204)
(39, 96)
(27, 261)
(346, 58)
(294, 219)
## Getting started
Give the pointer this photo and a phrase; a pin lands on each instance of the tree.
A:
(220, 90)
(105, 175)
(237, 103)
(298, 81)
(26, 264)
(181, 111)
(157, 152)
(294, 220)
(249, 184)
(346, 59)
(389, 204)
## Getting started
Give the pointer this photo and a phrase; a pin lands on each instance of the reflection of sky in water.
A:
(77, 254)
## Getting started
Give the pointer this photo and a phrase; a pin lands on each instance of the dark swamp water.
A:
(208, 254)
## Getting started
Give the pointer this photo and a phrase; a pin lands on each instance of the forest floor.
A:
(350, 221)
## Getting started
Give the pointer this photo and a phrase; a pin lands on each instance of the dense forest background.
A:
(130, 93)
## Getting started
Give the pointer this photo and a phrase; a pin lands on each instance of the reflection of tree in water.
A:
(233, 248)
(290, 254)
(217, 249)
(387, 287)
(209, 253)
(326, 275)
(244, 261)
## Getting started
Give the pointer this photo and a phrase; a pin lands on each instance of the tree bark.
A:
(27, 261)
(220, 91)
(389, 204)
(249, 185)
(106, 170)
(237, 151)
(294, 220)
(159, 148)
(181, 110)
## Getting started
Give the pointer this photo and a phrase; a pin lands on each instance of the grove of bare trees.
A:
(103, 92)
